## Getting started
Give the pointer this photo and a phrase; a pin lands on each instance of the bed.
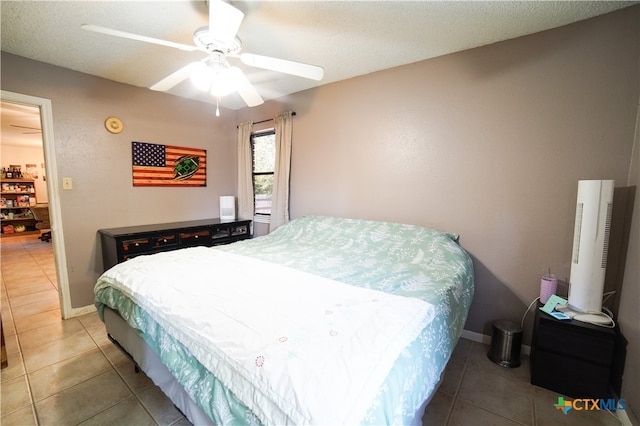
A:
(324, 321)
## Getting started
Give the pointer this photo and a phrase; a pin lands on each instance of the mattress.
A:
(410, 263)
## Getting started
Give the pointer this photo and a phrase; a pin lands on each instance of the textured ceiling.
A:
(347, 38)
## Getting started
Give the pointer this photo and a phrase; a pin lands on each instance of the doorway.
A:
(43, 106)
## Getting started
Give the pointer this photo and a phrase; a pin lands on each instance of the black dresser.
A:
(120, 244)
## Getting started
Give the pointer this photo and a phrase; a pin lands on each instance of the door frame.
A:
(55, 212)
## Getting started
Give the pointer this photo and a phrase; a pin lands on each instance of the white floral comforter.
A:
(425, 270)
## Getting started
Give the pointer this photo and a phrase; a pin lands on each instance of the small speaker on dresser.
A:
(227, 207)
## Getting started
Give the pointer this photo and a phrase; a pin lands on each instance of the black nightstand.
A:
(576, 359)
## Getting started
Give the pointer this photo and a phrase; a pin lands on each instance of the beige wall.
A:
(629, 318)
(488, 143)
(100, 162)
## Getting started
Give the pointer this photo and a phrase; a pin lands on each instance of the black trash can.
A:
(505, 344)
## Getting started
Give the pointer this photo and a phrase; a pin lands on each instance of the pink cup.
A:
(548, 286)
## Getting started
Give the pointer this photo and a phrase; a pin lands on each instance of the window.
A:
(263, 151)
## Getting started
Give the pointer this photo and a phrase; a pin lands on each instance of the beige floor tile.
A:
(462, 350)
(46, 295)
(8, 325)
(31, 339)
(91, 320)
(114, 354)
(83, 401)
(160, 407)
(478, 358)
(64, 374)
(467, 414)
(11, 342)
(95, 327)
(23, 275)
(452, 376)
(136, 381)
(15, 395)
(23, 417)
(438, 410)
(127, 412)
(99, 336)
(14, 369)
(507, 397)
(54, 281)
(39, 306)
(29, 289)
(42, 319)
(58, 350)
(182, 422)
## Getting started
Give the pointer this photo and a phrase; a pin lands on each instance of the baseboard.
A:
(486, 340)
(76, 312)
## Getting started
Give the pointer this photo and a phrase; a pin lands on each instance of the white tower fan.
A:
(590, 244)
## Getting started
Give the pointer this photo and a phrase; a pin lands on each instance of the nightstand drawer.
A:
(571, 342)
(570, 376)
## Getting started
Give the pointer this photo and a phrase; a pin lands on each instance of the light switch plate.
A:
(67, 183)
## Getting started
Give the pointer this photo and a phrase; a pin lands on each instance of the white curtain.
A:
(280, 194)
(245, 171)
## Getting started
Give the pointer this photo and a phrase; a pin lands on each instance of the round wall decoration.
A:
(113, 125)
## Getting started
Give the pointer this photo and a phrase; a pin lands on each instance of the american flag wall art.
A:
(165, 165)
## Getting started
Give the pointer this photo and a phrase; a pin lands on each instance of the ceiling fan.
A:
(219, 41)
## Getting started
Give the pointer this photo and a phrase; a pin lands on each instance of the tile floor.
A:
(64, 372)
(69, 373)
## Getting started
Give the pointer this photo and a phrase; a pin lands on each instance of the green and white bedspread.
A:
(406, 262)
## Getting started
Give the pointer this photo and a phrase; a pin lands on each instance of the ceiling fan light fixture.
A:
(201, 77)
(214, 76)
(222, 84)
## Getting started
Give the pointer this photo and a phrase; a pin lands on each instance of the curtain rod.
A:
(293, 113)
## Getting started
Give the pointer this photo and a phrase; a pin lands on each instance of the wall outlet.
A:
(67, 183)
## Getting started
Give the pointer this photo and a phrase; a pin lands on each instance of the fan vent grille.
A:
(607, 233)
(577, 233)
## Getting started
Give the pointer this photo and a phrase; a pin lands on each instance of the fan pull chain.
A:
(217, 108)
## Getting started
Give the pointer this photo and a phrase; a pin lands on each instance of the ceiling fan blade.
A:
(224, 21)
(124, 34)
(312, 72)
(245, 89)
(177, 77)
